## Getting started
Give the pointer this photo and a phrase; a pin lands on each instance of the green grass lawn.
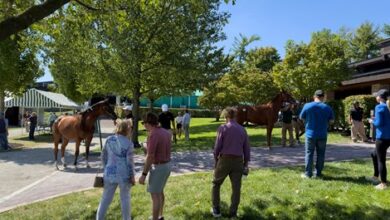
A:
(202, 136)
(272, 193)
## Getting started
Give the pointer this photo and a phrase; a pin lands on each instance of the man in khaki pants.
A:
(231, 154)
(356, 119)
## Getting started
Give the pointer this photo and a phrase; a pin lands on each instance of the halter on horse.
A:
(78, 128)
(266, 114)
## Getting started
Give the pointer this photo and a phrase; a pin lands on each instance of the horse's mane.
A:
(85, 113)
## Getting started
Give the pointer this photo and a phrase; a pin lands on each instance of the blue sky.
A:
(277, 21)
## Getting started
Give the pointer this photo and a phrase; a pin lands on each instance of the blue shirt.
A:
(117, 159)
(316, 116)
(382, 121)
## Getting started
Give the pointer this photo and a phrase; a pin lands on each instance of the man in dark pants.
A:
(166, 119)
(33, 125)
(231, 154)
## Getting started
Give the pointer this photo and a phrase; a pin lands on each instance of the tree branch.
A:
(14, 24)
(87, 6)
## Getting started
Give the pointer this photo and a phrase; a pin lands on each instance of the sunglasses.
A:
(143, 122)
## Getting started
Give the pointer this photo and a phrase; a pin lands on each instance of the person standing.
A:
(186, 124)
(287, 125)
(166, 119)
(4, 132)
(157, 164)
(128, 111)
(231, 154)
(316, 116)
(356, 120)
(179, 123)
(33, 124)
(26, 117)
(381, 121)
(52, 119)
(118, 166)
(299, 127)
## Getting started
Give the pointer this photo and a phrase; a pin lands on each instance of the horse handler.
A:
(157, 163)
(231, 154)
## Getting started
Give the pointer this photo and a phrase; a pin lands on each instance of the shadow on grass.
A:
(321, 209)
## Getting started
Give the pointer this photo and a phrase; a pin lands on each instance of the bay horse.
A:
(264, 114)
(79, 127)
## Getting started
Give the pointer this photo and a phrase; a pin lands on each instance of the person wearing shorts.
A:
(157, 163)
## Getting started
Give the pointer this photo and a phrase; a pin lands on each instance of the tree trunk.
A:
(151, 102)
(217, 116)
(2, 99)
(14, 24)
(136, 113)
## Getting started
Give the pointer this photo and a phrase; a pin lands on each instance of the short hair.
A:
(122, 126)
(150, 118)
(229, 112)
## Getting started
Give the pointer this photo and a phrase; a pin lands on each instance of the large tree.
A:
(146, 47)
(31, 12)
(19, 66)
(363, 42)
(321, 64)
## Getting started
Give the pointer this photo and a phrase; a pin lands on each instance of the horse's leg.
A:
(65, 142)
(56, 139)
(269, 135)
(78, 141)
(87, 144)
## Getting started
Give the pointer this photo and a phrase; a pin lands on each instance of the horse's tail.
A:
(55, 125)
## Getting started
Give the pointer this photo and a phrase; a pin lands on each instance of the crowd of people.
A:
(232, 150)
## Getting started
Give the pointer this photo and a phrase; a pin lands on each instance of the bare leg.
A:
(162, 197)
(156, 199)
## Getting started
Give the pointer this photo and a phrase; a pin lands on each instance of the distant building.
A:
(368, 75)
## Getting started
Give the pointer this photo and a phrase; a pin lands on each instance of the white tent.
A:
(40, 100)
(35, 98)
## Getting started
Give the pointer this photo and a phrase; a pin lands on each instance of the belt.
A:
(230, 156)
(161, 162)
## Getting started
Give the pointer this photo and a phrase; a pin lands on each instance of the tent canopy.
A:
(34, 98)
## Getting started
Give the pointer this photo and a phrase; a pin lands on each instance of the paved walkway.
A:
(28, 175)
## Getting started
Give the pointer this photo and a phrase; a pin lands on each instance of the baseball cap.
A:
(383, 93)
(128, 107)
(319, 93)
(164, 107)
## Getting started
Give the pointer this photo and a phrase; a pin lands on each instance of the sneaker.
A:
(216, 212)
(233, 215)
(304, 176)
(381, 186)
(374, 180)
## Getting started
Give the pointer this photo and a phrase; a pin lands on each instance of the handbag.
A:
(99, 181)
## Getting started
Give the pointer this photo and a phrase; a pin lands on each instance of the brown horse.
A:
(79, 127)
(266, 114)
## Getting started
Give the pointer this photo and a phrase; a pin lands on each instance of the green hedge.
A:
(338, 109)
(342, 108)
(367, 102)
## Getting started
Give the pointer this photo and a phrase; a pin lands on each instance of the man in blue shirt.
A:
(316, 115)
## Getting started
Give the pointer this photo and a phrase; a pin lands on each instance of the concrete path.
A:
(28, 175)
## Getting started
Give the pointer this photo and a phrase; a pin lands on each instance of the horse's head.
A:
(105, 108)
(286, 97)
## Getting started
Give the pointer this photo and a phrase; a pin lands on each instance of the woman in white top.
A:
(118, 165)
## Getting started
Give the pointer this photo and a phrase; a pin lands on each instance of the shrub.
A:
(367, 102)
(338, 110)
